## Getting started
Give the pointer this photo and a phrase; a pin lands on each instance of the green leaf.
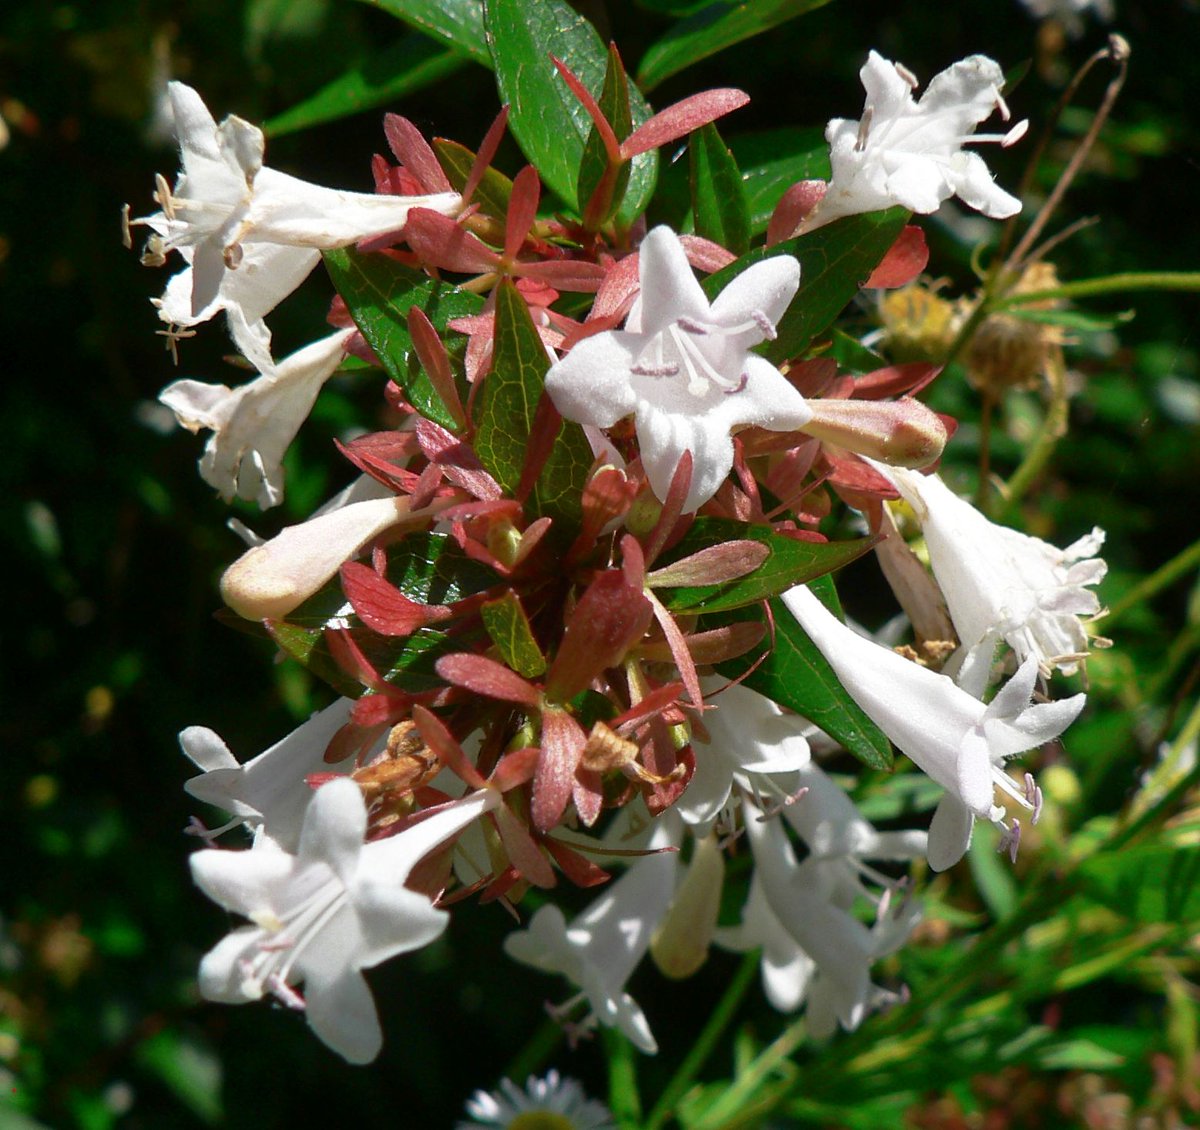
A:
(508, 402)
(796, 675)
(455, 23)
(494, 188)
(379, 293)
(594, 165)
(547, 120)
(384, 76)
(718, 200)
(791, 562)
(1147, 884)
(191, 1069)
(508, 626)
(835, 261)
(772, 161)
(712, 29)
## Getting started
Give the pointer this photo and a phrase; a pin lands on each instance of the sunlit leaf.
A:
(796, 675)
(387, 75)
(712, 29)
(455, 23)
(379, 293)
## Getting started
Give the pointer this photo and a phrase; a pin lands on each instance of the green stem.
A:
(1054, 427)
(746, 1087)
(623, 1096)
(704, 1045)
(1105, 284)
(1162, 577)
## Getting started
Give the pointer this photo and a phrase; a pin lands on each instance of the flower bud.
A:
(272, 579)
(680, 944)
(903, 433)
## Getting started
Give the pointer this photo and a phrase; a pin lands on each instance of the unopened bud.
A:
(903, 433)
(680, 944)
(272, 579)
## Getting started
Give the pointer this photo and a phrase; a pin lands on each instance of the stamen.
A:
(764, 324)
(1015, 134)
(739, 386)
(284, 993)
(667, 369)
(126, 234)
(864, 128)
(1033, 794)
(907, 75)
(162, 196)
(1002, 106)
(1011, 840)
(692, 326)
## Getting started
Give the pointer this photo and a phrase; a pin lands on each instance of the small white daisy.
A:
(552, 1103)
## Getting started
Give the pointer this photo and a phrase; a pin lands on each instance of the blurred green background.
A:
(113, 549)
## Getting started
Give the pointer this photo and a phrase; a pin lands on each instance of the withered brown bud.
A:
(606, 750)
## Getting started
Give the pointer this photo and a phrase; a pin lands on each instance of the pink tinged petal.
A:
(949, 833)
(391, 860)
(769, 399)
(341, 1013)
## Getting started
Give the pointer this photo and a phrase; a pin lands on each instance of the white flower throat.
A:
(698, 348)
(285, 939)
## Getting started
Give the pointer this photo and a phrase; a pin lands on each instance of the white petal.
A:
(341, 1011)
(949, 833)
(334, 826)
(669, 290)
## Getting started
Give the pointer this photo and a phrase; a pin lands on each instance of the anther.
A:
(1033, 794)
(907, 75)
(1015, 134)
(668, 369)
(864, 128)
(692, 326)
(745, 380)
(284, 993)
(765, 325)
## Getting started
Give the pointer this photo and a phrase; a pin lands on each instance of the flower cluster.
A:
(555, 600)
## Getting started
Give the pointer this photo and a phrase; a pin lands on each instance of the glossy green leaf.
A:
(594, 166)
(796, 675)
(835, 261)
(379, 293)
(494, 188)
(790, 563)
(772, 161)
(712, 29)
(508, 402)
(454, 23)
(509, 629)
(547, 120)
(1152, 883)
(384, 77)
(719, 208)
